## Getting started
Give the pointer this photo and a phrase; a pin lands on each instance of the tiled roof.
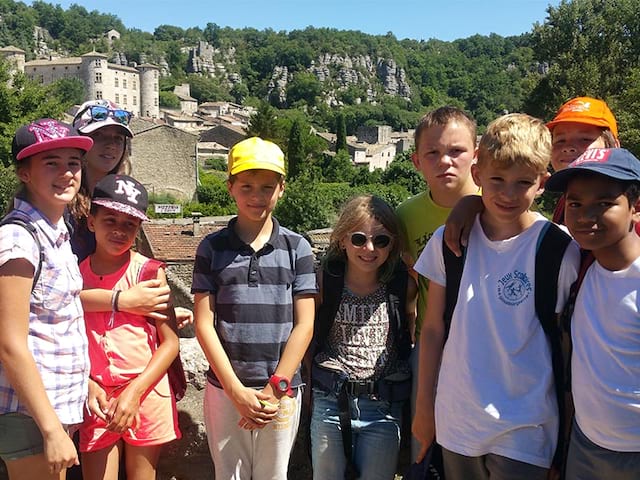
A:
(175, 242)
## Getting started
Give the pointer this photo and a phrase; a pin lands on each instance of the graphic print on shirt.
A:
(514, 288)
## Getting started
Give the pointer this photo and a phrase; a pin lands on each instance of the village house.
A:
(163, 159)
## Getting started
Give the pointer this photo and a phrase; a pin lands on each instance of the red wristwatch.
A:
(281, 384)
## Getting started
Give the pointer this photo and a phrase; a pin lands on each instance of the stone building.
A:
(163, 159)
(133, 88)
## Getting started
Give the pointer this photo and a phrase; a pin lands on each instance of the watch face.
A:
(282, 385)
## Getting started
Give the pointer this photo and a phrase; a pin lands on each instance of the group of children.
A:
(484, 375)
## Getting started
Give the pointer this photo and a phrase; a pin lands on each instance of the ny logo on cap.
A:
(129, 189)
(48, 130)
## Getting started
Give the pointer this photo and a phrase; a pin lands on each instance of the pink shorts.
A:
(158, 422)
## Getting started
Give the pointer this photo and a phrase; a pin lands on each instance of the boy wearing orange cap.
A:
(254, 287)
(581, 123)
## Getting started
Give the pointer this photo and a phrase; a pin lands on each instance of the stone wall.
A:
(163, 160)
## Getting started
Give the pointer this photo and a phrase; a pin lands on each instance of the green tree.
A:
(70, 91)
(339, 168)
(341, 132)
(295, 151)
(169, 100)
(303, 88)
(263, 123)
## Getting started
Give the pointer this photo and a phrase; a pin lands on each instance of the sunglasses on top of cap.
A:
(381, 240)
(100, 114)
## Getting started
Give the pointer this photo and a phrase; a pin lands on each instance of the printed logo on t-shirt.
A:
(514, 288)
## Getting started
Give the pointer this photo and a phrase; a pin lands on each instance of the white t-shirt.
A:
(606, 357)
(495, 387)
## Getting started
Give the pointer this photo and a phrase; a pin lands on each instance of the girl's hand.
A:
(256, 408)
(146, 298)
(97, 401)
(59, 451)
(123, 411)
(423, 428)
(184, 317)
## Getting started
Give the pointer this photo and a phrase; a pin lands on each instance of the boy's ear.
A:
(475, 174)
(415, 160)
(543, 180)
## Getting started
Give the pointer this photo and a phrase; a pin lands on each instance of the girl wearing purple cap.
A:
(44, 367)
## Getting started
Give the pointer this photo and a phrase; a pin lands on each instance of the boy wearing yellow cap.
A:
(254, 287)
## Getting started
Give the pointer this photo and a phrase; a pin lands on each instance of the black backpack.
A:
(551, 246)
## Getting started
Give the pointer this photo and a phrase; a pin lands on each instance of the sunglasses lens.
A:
(98, 113)
(358, 239)
(121, 116)
(381, 241)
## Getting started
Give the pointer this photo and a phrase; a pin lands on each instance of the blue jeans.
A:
(375, 426)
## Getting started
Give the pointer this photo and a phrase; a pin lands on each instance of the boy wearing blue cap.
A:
(254, 287)
(602, 190)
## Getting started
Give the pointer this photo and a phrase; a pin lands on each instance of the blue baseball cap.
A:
(618, 163)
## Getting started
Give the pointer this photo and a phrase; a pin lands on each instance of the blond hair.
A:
(441, 117)
(516, 139)
(354, 214)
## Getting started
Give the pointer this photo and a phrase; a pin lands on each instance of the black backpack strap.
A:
(29, 227)
(332, 286)
(586, 259)
(396, 301)
(453, 267)
(550, 250)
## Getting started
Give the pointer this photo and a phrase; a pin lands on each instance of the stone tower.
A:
(93, 72)
(149, 90)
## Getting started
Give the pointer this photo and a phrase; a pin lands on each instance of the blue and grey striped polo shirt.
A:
(254, 294)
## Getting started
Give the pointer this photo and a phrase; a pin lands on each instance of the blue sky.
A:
(416, 19)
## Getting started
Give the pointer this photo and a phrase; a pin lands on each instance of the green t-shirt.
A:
(420, 217)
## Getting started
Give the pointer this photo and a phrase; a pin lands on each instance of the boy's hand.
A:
(459, 222)
(146, 298)
(255, 407)
(97, 401)
(423, 428)
(59, 451)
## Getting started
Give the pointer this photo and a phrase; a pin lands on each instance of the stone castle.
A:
(134, 88)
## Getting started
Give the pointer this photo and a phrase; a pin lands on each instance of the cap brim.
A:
(257, 166)
(586, 121)
(559, 180)
(79, 142)
(93, 126)
(120, 207)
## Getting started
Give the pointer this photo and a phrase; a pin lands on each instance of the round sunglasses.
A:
(381, 240)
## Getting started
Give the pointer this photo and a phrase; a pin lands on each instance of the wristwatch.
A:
(281, 384)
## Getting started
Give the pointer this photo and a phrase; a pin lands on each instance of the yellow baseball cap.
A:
(591, 111)
(255, 153)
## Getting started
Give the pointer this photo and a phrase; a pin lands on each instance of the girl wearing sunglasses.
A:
(360, 370)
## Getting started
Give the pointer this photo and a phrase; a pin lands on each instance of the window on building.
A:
(124, 83)
(135, 100)
(98, 63)
(115, 82)
(124, 99)
(117, 98)
(98, 77)
(155, 87)
(155, 102)
(41, 79)
(99, 94)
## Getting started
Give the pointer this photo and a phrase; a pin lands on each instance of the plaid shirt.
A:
(57, 338)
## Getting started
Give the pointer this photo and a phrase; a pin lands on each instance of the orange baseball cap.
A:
(586, 110)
